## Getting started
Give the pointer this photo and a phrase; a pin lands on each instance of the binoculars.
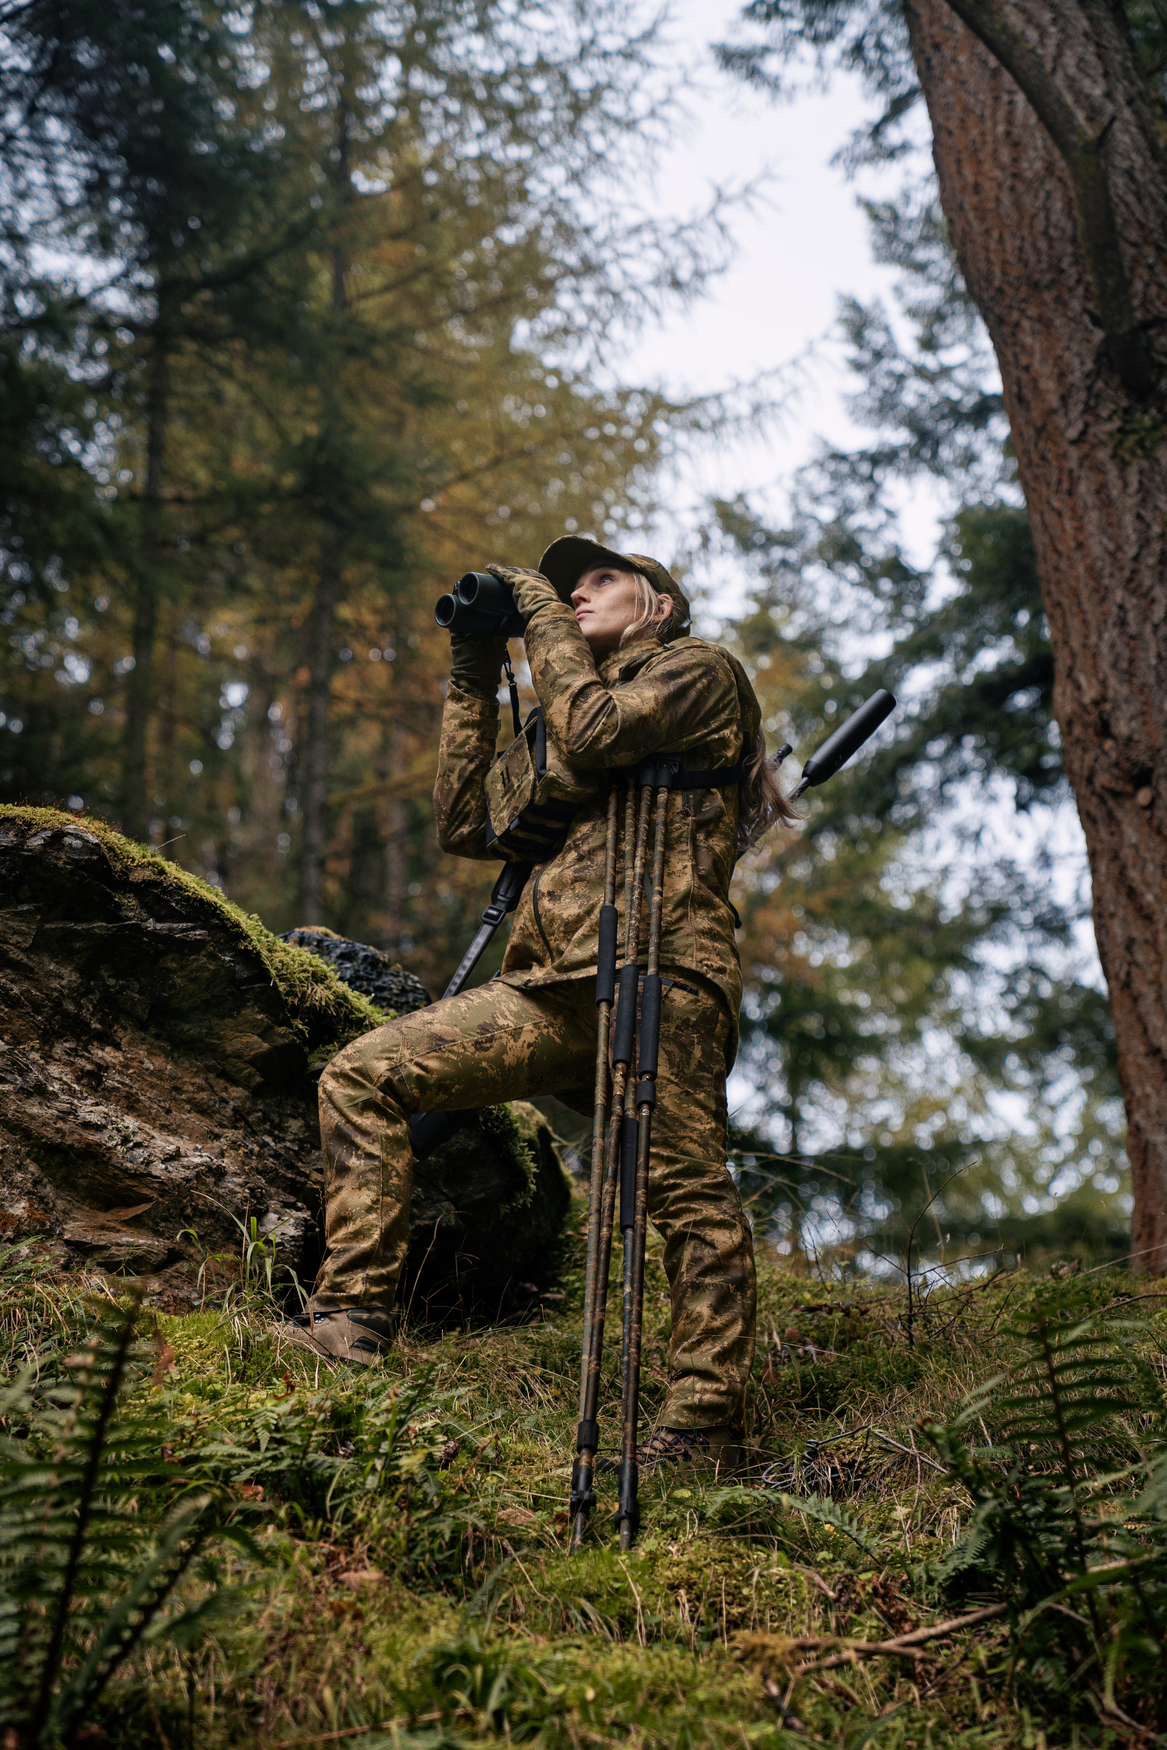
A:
(480, 607)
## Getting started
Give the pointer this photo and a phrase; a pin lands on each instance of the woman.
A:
(618, 678)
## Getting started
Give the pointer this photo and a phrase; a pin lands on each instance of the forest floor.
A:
(403, 1578)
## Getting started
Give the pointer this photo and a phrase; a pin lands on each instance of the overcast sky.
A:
(802, 247)
(805, 245)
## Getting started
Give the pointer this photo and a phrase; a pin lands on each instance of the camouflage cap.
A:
(566, 560)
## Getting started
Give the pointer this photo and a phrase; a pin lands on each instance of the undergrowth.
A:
(216, 1541)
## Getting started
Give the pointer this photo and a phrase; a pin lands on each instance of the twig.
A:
(911, 1241)
(350, 1732)
(816, 1579)
(918, 1456)
(904, 1645)
(640, 1635)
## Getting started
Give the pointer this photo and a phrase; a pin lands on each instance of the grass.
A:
(409, 1585)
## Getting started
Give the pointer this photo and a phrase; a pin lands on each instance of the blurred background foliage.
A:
(308, 308)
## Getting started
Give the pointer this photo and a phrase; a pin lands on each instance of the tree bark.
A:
(1092, 462)
(321, 620)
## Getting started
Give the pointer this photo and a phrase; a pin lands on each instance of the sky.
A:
(803, 245)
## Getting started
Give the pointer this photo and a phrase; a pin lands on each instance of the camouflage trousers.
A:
(498, 1042)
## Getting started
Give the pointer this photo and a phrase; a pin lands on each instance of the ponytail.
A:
(655, 613)
(764, 802)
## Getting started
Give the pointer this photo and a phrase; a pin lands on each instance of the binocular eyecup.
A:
(480, 606)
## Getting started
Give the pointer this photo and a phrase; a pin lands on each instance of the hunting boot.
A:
(361, 1334)
(712, 1453)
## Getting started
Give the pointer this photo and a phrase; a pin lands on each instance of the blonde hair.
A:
(655, 612)
(762, 798)
(763, 801)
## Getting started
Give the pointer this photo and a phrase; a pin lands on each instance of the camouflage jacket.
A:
(688, 697)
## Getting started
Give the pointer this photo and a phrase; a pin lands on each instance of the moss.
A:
(322, 1010)
(412, 1520)
(1137, 435)
(488, 1212)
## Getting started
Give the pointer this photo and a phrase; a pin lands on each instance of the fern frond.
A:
(828, 1512)
(97, 1532)
(1084, 1570)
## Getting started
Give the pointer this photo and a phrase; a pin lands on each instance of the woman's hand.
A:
(476, 664)
(531, 589)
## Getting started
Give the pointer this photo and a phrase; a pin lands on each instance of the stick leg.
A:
(634, 1189)
(587, 1434)
(622, 1048)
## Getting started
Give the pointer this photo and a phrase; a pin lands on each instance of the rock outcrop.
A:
(364, 969)
(156, 1095)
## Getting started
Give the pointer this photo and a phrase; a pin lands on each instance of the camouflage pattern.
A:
(502, 1041)
(533, 1030)
(689, 697)
(476, 664)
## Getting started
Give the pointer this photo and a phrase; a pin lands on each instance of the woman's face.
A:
(604, 600)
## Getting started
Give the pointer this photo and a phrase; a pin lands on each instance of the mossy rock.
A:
(155, 1094)
(364, 969)
(488, 1209)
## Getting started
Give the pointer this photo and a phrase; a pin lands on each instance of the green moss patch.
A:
(408, 1586)
(322, 1010)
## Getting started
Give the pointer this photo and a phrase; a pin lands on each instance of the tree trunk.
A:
(166, 774)
(394, 754)
(1091, 457)
(314, 831)
(135, 808)
(314, 799)
(396, 864)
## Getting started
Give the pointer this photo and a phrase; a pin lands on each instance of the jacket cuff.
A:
(554, 624)
(473, 704)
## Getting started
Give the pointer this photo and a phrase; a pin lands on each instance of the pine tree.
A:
(141, 165)
(1047, 136)
(391, 375)
(966, 645)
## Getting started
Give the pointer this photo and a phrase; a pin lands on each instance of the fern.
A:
(827, 1512)
(98, 1532)
(1081, 1559)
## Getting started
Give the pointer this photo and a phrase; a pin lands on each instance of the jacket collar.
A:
(621, 664)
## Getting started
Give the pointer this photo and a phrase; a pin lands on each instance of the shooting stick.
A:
(634, 1181)
(622, 1141)
(611, 1136)
(504, 897)
(605, 996)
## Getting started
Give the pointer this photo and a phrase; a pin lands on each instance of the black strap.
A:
(656, 770)
(717, 778)
(667, 770)
(513, 687)
(540, 745)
